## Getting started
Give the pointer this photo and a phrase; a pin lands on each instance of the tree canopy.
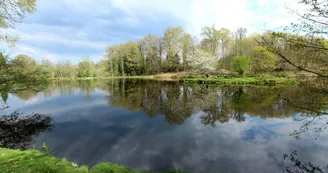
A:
(11, 13)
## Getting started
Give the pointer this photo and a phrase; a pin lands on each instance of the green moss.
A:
(34, 161)
(246, 80)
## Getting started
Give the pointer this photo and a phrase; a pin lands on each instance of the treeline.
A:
(62, 69)
(219, 50)
(177, 51)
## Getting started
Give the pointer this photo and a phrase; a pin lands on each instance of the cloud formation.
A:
(70, 29)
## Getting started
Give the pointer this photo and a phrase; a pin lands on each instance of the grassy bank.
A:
(161, 76)
(246, 80)
(33, 161)
(109, 77)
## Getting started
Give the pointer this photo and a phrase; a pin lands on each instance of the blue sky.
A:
(72, 29)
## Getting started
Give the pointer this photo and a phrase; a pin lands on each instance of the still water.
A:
(158, 125)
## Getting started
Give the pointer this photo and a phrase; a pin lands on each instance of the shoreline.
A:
(36, 161)
(200, 80)
(246, 80)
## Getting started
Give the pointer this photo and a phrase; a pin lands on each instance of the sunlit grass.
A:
(33, 161)
(245, 80)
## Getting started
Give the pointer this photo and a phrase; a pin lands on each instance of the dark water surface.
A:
(157, 125)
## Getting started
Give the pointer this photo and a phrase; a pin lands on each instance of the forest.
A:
(220, 50)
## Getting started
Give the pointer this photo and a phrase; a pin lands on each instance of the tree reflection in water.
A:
(17, 132)
(214, 105)
(293, 165)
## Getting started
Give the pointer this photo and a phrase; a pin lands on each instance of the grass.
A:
(164, 76)
(114, 77)
(109, 77)
(239, 80)
(33, 161)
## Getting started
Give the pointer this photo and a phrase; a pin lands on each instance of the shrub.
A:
(241, 64)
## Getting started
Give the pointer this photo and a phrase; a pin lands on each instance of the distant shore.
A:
(246, 80)
(187, 77)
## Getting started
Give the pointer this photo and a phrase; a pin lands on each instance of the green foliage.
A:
(244, 80)
(64, 70)
(23, 62)
(188, 47)
(241, 64)
(240, 98)
(131, 55)
(45, 148)
(104, 167)
(213, 37)
(125, 59)
(172, 63)
(150, 54)
(21, 73)
(306, 51)
(86, 68)
(263, 60)
(172, 39)
(17, 161)
(11, 13)
(3, 61)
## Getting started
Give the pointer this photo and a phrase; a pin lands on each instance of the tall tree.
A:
(225, 40)
(113, 57)
(188, 47)
(240, 34)
(212, 39)
(172, 41)
(150, 50)
(131, 57)
(48, 67)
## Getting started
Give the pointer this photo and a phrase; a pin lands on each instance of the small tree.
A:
(203, 61)
(241, 64)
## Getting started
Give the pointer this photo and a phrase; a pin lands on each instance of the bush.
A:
(263, 60)
(241, 64)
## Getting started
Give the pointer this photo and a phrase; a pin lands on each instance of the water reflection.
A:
(18, 132)
(158, 125)
(293, 165)
(217, 104)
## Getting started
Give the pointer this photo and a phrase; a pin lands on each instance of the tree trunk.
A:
(122, 65)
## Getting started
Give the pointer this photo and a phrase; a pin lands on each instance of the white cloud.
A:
(91, 26)
(48, 37)
(199, 13)
(231, 14)
(263, 2)
(129, 21)
(34, 52)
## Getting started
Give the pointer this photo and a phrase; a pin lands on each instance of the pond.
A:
(160, 125)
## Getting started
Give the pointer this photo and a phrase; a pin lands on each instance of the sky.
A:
(73, 29)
